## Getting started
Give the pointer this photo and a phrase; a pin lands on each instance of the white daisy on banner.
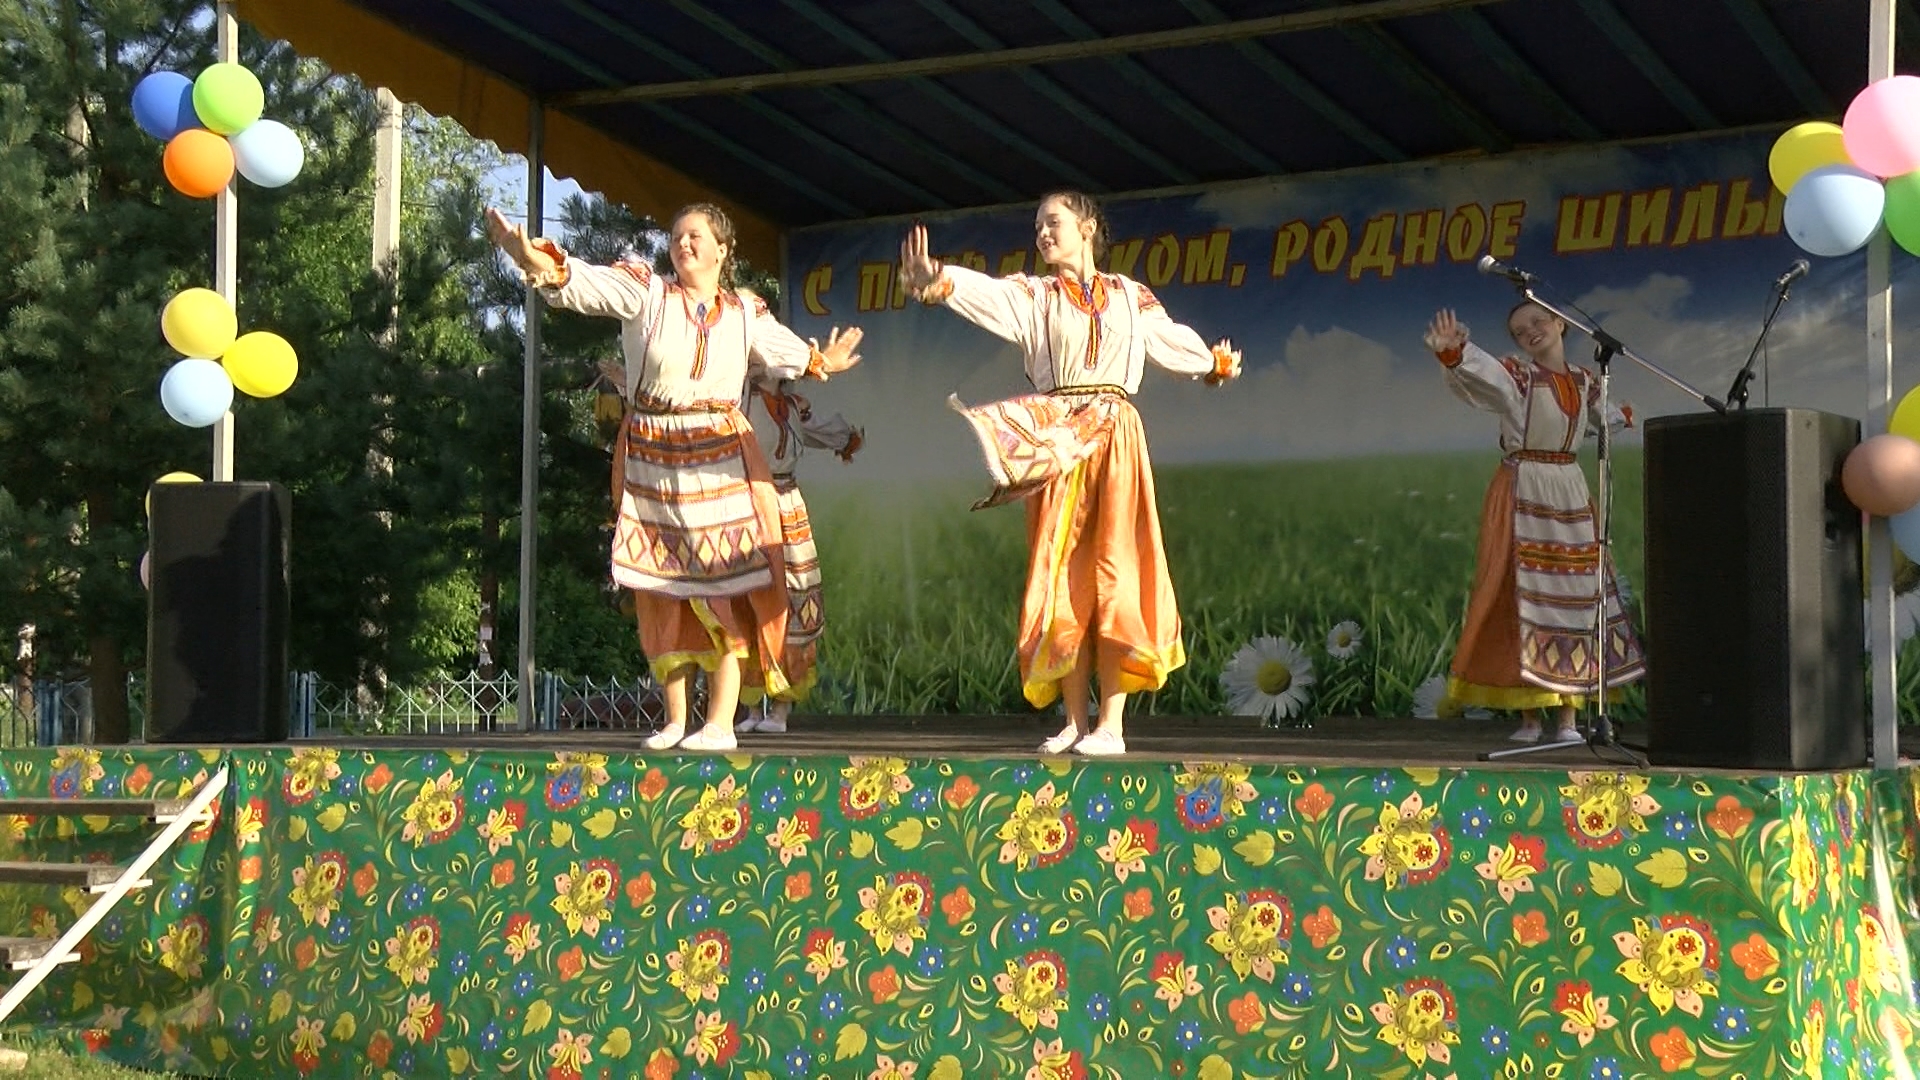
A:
(1269, 677)
(1430, 702)
(1343, 640)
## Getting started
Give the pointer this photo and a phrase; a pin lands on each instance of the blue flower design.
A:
(1098, 1006)
(403, 1062)
(1869, 1064)
(350, 787)
(1022, 773)
(1475, 822)
(414, 897)
(1383, 784)
(269, 974)
(1679, 828)
(932, 962)
(110, 787)
(698, 907)
(619, 791)
(1296, 988)
(243, 1025)
(490, 1037)
(1187, 1034)
(831, 1005)
(66, 784)
(563, 791)
(772, 799)
(484, 791)
(1836, 1051)
(798, 1062)
(1099, 807)
(340, 929)
(756, 981)
(1025, 927)
(709, 767)
(1273, 811)
(1496, 1041)
(431, 763)
(523, 984)
(1605, 1068)
(923, 798)
(1201, 808)
(612, 939)
(113, 927)
(1730, 1022)
(460, 963)
(180, 895)
(1402, 951)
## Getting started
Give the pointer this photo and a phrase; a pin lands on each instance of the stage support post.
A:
(1880, 628)
(226, 236)
(530, 424)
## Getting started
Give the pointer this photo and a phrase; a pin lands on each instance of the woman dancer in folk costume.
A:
(698, 536)
(791, 425)
(1098, 596)
(1528, 640)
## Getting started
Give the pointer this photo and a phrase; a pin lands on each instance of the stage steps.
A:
(37, 957)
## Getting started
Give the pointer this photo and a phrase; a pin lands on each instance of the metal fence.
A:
(51, 712)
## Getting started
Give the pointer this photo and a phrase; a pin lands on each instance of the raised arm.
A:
(1006, 307)
(1177, 347)
(1619, 416)
(626, 290)
(777, 354)
(1475, 375)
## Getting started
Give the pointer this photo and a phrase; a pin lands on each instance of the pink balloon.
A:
(146, 558)
(1882, 127)
(1882, 475)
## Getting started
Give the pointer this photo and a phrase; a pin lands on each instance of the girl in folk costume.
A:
(1528, 639)
(1098, 595)
(791, 426)
(698, 537)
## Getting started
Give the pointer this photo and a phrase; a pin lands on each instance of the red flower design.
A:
(885, 985)
(799, 885)
(249, 869)
(640, 888)
(139, 779)
(378, 779)
(958, 906)
(380, 1048)
(1138, 904)
(305, 953)
(570, 964)
(1673, 1048)
(1322, 927)
(1246, 1013)
(503, 872)
(651, 787)
(1530, 928)
(961, 792)
(1729, 818)
(1314, 802)
(364, 879)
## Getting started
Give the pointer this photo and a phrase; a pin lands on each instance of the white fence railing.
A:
(50, 712)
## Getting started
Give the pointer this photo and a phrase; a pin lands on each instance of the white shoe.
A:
(1570, 734)
(710, 738)
(1101, 743)
(666, 738)
(747, 724)
(1060, 743)
(1525, 735)
(774, 720)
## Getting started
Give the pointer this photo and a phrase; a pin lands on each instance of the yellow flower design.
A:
(1600, 808)
(1803, 863)
(593, 769)
(570, 1052)
(717, 820)
(698, 968)
(1128, 849)
(183, 948)
(1250, 930)
(74, 771)
(436, 811)
(1419, 1021)
(872, 784)
(896, 911)
(311, 770)
(825, 954)
(410, 953)
(885, 1068)
(316, 887)
(584, 893)
(1034, 990)
(1407, 847)
(1674, 960)
(1040, 831)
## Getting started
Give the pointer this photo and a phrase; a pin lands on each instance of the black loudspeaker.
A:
(1754, 608)
(217, 615)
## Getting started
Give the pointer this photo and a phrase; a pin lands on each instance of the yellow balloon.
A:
(1906, 416)
(199, 322)
(261, 364)
(1804, 148)
(171, 478)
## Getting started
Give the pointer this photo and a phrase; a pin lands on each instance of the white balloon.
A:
(196, 392)
(268, 153)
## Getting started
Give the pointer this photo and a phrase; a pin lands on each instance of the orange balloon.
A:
(199, 164)
(1882, 475)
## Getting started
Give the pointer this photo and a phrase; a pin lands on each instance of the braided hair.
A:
(1086, 209)
(723, 232)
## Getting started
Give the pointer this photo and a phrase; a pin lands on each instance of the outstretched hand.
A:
(1225, 348)
(1445, 332)
(917, 268)
(838, 355)
(536, 267)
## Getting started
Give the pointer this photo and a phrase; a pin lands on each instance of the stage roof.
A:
(796, 112)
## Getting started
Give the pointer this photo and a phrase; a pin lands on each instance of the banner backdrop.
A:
(1337, 481)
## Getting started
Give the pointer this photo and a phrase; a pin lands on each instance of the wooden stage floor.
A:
(1341, 741)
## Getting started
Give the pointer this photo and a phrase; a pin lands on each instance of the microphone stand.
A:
(1737, 395)
(1600, 732)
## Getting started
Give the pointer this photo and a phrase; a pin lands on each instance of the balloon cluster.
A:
(1882, 475)
(199, 390)
(212, 127)
(1842, 180)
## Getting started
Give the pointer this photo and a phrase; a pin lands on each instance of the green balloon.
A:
(1903, 211)
(227, 98)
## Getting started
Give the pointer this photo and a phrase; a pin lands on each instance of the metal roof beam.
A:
(1399, 61)
(589, 69)
(1628, 40)
(840, 151)
(1290, 79)
(1046, 86)
(1182, 38)
(889, 127)
(956, 104)
(1169, 98)
(1779, 52)
(1515, 66)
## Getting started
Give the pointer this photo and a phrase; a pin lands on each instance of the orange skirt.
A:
(1097, 570)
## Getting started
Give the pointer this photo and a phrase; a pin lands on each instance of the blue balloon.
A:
(268, 153)
(1835, 209)
(196, 392)
(1906, 532)
(163, 105)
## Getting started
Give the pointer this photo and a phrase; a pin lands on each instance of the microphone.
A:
(1491, 265)
(1794, 273)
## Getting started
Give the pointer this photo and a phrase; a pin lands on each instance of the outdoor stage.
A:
(1362, 900)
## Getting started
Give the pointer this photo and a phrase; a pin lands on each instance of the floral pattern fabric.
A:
(573, 915)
